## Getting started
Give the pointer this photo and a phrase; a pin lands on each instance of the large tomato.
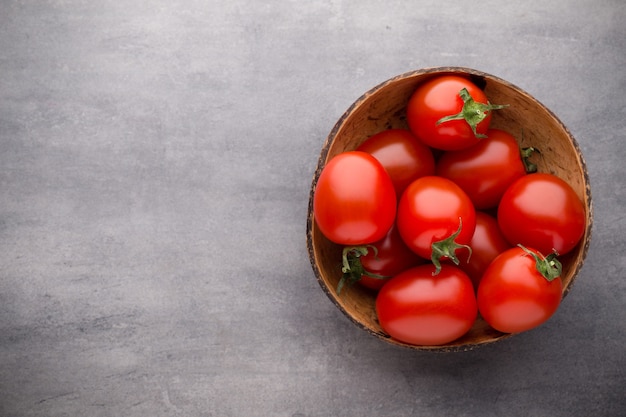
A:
(354, 201)
(418, 308)
(449, 112)
(520, 290)
(373, 265)
(487, 243)
(543, 212)
(404, 157)
(435, 218)
(485, 170)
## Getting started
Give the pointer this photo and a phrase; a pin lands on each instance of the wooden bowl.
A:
(383, 107)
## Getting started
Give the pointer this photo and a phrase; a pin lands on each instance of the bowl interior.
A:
(382, 108)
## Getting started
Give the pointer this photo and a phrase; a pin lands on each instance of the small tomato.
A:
(543, 212)
(404, 157)
(354, 201)
(418, 308)
(520, 290)
(449, 112)
(435, 218)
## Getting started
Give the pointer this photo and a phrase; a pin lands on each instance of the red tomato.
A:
(373, 265)
(354, 201)
(514, 296)
(435, 218)
(487, 243)
(433, 102)
(543, 212)
(418, 308)
(485, 170)
(404, 157)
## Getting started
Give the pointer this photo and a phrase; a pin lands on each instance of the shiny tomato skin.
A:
(391, 258)
(418, 308)
(543, 212)
(438, 98)
(487, 243)
(485, 170)
(354, 201)
(430, 210)
(513, 296)
(404, 157)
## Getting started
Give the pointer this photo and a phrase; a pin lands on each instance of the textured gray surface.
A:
(155, 164)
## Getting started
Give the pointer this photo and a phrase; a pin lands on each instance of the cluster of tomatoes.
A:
(447, 219)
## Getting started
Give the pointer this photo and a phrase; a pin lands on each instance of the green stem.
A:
(549, 267)
(473, 112)
(352, 267)
(527, 153)
(446, 248)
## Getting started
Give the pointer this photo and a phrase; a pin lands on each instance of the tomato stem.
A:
(446, 248)
(548, 266)
(527, 153)
(352, 267)
(473, 112)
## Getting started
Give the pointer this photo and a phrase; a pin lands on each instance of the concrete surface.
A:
(155, 164)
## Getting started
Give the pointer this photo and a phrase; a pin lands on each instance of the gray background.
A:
(155, 165)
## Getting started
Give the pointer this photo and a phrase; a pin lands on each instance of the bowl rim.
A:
(322, 160)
